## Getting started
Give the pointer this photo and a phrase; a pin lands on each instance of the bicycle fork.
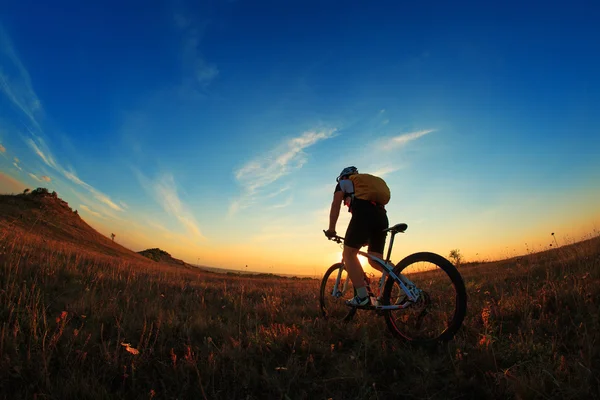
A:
(336, 292)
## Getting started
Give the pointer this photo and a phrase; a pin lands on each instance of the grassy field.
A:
(79, 324)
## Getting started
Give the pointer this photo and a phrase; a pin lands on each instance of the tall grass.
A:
(78, 324)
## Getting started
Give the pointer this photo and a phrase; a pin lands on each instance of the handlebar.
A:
(336, 238)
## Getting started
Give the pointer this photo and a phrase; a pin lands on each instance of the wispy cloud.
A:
(277, 192)
(166, 194)
(158, 227)
(263, 171)
(17, 166)
(405, 138)
(90, 211)
(236, 205)
(2, 149)
(386, 170)
(190, 224)
(98, 206)
(101, 197)
(105, 199)
(378, 158)
(44, 154)
(38, 178)
(204, 72)
(164, 191)
(199, 72)
(15, 81)
(286, 203)
(40, 148)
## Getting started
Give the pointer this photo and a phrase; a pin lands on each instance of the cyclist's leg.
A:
(355, 270)
(356, 237)
(374, 264)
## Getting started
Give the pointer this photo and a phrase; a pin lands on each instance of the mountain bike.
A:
(423, 298)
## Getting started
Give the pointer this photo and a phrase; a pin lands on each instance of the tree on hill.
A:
(26, 191)
(456, 257)
(112, 236)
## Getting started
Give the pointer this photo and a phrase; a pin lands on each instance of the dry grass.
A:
(79, 324)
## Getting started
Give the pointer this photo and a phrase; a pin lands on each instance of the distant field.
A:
(80, 324)
(242, 272)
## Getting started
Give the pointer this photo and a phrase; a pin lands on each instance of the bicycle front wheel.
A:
(442, 299)
(336, 288)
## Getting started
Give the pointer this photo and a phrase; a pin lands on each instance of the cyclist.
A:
(366, 196)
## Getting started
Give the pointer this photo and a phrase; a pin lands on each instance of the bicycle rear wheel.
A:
(441, 307)
(332, 299)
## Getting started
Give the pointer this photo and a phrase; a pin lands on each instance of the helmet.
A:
(347, 171)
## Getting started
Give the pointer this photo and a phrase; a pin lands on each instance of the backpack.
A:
(371, 188)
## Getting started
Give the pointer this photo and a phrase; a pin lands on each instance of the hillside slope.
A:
(48, 216)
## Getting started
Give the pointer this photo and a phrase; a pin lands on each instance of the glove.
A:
(330, 233)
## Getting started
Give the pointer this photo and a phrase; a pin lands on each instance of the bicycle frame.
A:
(408, 287)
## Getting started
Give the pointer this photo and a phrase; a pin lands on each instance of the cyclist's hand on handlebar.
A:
(330, 233)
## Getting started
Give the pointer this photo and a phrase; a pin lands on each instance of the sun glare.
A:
(337, 257)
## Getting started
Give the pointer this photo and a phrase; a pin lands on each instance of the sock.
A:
(362, 292)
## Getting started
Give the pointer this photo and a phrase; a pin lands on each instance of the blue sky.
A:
(216, 129)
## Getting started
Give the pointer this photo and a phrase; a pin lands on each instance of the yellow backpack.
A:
(371, 188)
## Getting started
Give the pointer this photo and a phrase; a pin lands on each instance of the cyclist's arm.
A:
(334, 213)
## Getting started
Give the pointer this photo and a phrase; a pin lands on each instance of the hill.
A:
(45, 214)
(159, 255)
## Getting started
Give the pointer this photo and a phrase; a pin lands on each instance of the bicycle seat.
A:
(398, 228)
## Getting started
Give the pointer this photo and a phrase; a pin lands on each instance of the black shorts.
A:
(366, 226)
